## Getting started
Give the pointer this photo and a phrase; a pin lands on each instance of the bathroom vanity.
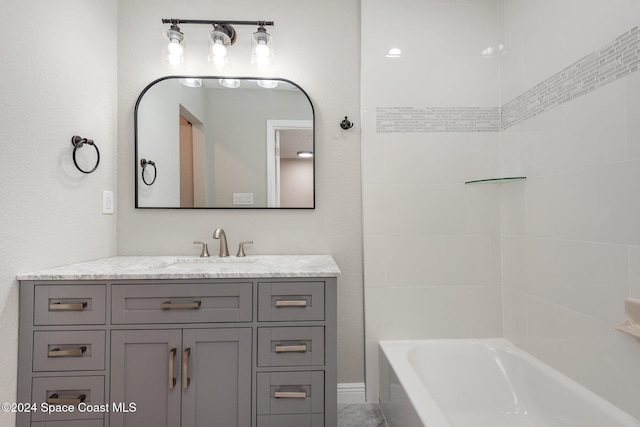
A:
(179, 341)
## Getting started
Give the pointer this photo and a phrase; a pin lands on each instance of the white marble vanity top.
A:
(189, 267)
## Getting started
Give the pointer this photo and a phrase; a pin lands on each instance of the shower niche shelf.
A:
(497, 180)
(631, 323)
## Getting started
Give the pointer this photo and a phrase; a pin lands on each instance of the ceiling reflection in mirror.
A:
(211, 142)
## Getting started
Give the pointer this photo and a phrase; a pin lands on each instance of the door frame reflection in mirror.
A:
(294, 123)
(273, 155)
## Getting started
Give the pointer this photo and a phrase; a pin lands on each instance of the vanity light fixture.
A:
(222, 36)
(230, 83)
(261, 48)
(174, 46)
(305, 154)
(268, 84)
(191, 82)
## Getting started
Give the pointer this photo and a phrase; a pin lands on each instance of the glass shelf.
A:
(496, 180)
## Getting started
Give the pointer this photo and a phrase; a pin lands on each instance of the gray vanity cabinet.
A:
(182, 377)
(224, 352)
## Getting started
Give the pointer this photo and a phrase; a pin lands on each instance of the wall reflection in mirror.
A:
(225, 143)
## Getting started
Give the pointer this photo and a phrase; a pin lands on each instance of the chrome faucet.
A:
(219, 234)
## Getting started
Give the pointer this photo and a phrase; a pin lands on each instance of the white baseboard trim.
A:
(351, 393)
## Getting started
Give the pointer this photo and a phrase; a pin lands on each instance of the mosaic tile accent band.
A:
(437, 119)
(612, 62)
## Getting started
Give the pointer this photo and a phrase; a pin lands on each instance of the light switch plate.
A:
(107, 202)
(242, 198)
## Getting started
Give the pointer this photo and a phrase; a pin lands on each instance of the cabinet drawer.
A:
(290, 301)
(190, 303)
(291, 346)
(296, 420)
(67, 390)
(290, 393)
(69, 305)
(68, 350)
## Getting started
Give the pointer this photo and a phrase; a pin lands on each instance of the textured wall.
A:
(327, 67)
(58, 79)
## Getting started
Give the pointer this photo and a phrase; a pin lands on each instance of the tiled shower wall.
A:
(569, 237)
(571, 233)
(430, 123)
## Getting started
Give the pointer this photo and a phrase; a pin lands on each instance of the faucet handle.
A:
(205, 249)
(241, 248)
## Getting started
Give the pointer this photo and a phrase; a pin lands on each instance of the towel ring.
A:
(144, 163)
(78, 142)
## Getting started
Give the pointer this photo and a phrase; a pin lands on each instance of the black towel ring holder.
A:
(144, 163)
(78, 142)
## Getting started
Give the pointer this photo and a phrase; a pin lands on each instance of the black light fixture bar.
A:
(209, 22)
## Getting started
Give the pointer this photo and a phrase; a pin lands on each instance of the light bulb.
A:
(262, 49)
(218, 49)
(174, 60)
(219, 62)
(175, 48)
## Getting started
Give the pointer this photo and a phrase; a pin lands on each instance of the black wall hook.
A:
(346, 124)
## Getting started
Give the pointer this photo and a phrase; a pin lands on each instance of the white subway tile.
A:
(441, 260)
(590, 278)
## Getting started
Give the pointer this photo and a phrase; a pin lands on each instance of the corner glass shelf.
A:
(496, 180)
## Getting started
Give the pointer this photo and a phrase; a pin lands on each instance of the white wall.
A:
(296, 182)
(58, 73)
(431, 244)
(238, 146)
(571, 240)
(328, 71)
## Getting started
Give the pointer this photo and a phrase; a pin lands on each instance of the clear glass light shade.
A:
(261, 49)
(173, 52)
(229, 83)
(218, 49)
(191, 82)
(268, 84)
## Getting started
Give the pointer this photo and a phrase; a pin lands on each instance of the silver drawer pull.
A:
(291, 303)
(168, 305)
(291, 348)
(58, 306)
(74, 352)
(290, 395)
(54, 399)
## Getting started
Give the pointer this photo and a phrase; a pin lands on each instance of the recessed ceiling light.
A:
(394, 53)
(305, 154)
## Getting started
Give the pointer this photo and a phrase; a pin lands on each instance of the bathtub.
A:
(483, 383)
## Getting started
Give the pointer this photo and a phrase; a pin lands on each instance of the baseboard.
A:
(351, 393)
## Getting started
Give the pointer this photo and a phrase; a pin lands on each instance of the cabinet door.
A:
(218, 365)
(141, 374)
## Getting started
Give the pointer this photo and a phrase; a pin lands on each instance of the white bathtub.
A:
(483, 383)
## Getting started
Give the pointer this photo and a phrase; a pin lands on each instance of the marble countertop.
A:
(189, 267)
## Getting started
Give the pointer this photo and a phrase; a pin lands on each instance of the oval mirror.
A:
(212, 142)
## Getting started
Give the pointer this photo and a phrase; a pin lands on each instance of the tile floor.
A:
(361, 415)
